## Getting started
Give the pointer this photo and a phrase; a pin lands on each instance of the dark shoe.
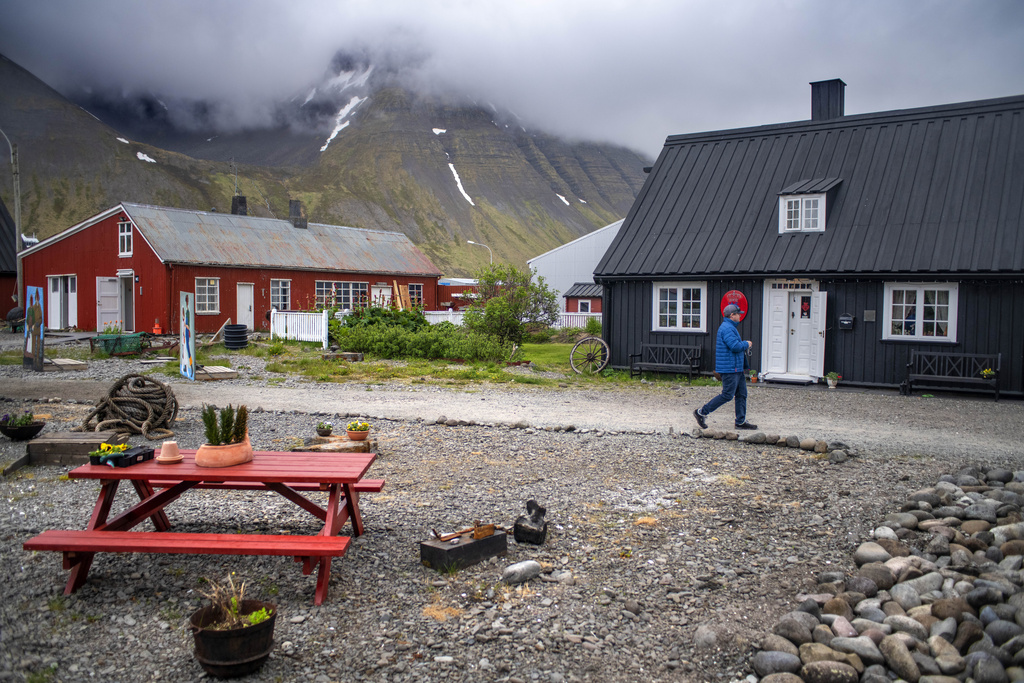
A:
(700, 419)
(746, 425)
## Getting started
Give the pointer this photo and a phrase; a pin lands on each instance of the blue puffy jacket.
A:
(730, 349)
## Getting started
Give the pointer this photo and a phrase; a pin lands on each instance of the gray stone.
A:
(901, 624)
(828, 672)
(870, 552)
(898, 658)
(767, 662)
(862, 646)
(905, 595)
(521, 572)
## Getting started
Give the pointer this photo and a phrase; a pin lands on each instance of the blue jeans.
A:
(733, 385)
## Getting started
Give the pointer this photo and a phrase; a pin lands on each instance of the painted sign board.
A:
(734, 296)
(187, 340)
(33, 355)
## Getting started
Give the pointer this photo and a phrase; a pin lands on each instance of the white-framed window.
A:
(207, 295)
(344, 295)
(802, 213)
(416, 295)
(124, 238)
(921, 311)
(584, 305)
(281, 294)
(680, 306)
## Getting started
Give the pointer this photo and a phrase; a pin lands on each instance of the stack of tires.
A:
(236, 336)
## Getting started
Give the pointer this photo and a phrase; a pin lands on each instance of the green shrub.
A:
(376, 316)
(431, 343)
(593, 327)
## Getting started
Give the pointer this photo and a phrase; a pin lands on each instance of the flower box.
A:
(119, 343)
(125, 459)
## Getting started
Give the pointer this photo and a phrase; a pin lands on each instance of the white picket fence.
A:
(299, 325)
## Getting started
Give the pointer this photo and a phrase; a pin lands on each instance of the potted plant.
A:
(988, 373)
(358, 431)
(833, 379)
(233, 636)
(324, 428)
(227, 437)
(21, 427)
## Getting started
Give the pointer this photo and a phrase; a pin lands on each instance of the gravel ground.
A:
(667, 557)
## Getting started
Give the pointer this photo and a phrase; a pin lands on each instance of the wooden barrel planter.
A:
(236, 336)
(229, 653)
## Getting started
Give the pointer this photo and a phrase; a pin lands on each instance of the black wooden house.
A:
(853, 239)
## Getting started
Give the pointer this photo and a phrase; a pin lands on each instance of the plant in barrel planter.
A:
(21, 427)
(358, 431)
(233, 636)
(324, 428)
(227, 437)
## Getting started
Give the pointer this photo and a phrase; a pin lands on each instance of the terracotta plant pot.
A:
(358, 436)
(224, 456)
(23, 432)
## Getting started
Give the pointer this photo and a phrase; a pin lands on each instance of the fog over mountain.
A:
(605, 70)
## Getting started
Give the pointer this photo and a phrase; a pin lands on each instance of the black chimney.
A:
(238, 207)
(828, 100)
(295, 213)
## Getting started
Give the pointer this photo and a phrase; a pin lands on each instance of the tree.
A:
(508, 300)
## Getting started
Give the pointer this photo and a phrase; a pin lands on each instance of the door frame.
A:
(107, 317)
(62, 304)
(126, 299)
(819, 299)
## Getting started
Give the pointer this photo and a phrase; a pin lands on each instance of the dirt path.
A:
(873, 421)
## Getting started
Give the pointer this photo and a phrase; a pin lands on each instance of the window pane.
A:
(810, 214)
(792, 214)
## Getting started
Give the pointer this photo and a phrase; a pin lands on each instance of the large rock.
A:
(828, 672)
(767, 662)
(899, 659)
(870, 552)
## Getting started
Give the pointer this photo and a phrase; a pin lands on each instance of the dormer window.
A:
(802, 205)
(124, 238)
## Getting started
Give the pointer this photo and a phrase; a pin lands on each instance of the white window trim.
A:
(279, 280)
(579, 305)
(954, 297)
(195, 293)
(702, 286)
(803, 199)
(125, 236)
(423, 295)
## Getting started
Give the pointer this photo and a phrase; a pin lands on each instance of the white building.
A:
(564, 266)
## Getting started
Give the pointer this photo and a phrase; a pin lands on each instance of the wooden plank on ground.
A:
(212, 372)
(69, 448)
(63, 365)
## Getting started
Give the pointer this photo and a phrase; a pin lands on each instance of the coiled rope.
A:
(137, 405)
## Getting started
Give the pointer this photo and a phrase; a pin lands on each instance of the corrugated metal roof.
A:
(924, 191)
(205, 238)
(585, 290)
(815, 186)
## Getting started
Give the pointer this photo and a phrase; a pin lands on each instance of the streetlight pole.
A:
(489, 252)
(17, 214)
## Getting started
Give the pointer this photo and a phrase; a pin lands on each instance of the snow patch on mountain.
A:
(438, 131)
(144, 157)
(340, 123)
(458, 181)
(124, 141)
(564, 200)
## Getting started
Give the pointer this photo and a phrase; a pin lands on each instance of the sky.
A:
(630, 72)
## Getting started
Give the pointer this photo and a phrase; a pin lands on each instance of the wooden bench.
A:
(665, 358)
(951, 368)
(78, 544)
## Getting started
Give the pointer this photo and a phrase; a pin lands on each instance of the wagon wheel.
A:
(589, 356)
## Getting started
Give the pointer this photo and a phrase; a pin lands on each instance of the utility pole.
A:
(17, 214)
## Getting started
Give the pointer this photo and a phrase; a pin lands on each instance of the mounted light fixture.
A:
(489, 252)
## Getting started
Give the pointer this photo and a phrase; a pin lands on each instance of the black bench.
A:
(948, 367)
(665, 358)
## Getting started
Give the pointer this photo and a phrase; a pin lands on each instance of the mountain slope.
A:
(388, 160)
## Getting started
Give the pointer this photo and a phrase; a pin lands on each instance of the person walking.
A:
(730, 353)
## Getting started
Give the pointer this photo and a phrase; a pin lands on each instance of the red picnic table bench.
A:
(341, 475)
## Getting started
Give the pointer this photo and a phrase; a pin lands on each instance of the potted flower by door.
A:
(233, 636)
(227, 439)
(21, 427)
(358, 431)
(324, 428)
(833, 379)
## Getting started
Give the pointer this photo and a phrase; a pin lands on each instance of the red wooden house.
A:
(584, 297)
(126, 266)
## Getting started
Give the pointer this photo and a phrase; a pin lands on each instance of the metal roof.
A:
(207, 238)
(585, 290)
(927, 191)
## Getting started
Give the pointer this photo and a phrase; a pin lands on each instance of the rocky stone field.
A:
(668, 557)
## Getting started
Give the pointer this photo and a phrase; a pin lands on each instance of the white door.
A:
(801, 333)
(62, 302)
(777, 348)
(107, 312)
(244, 305)
(127, 284)
(817, 361)
(380, 296)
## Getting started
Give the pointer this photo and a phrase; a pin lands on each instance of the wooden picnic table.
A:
(158, 485)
